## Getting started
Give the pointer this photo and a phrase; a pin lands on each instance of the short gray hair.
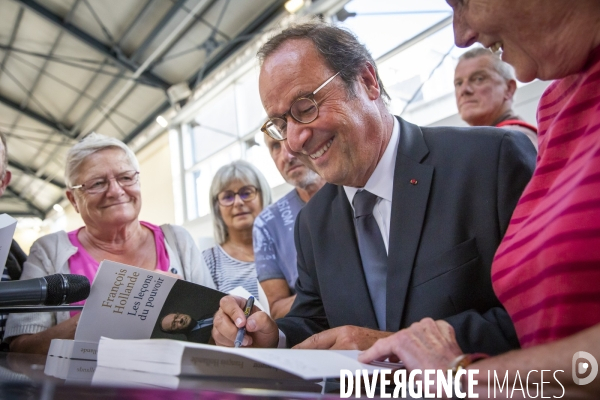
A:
(91, 144)
(5, 158)
(504, 69)
(339, 47)
(237, 170)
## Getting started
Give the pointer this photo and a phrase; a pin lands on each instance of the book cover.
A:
(126, 302)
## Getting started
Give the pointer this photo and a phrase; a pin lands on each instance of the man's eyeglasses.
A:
(227, 197)
(304, 110)
(100, 185)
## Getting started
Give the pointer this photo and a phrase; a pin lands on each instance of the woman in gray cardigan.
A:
(102, 177)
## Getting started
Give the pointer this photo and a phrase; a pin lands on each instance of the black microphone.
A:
(51, 290)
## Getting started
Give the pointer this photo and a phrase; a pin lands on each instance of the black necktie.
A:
(372, 251)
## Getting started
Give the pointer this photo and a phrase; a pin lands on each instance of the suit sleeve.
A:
(307, 315)
(516, 163)
(493, 332)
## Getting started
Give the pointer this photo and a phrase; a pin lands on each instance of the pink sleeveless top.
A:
(82, 263)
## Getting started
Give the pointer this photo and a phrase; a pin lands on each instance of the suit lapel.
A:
(354, 294)
(412, 183)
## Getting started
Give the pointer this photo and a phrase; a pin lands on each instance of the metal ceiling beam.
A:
(200, 8)
(35, 210)
(114, 54)
(226, 51)
(184, 32)
(13, 36)
(33, 173)
(57, 126)
(157, 29)
(240, 40)
(25, 101)
(135, 57)
(145, 123)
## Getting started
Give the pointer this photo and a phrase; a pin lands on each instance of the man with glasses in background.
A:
(273, 233)
(408, 224)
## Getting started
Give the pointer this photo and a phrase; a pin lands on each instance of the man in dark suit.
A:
(442, 199)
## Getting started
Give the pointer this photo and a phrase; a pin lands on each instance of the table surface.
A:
(26, 376)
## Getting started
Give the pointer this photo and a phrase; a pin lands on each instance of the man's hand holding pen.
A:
(239, 338)
(261, 330)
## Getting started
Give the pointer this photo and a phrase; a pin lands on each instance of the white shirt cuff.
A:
(282, 341)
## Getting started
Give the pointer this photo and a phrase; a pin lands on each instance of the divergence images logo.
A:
(580, 367)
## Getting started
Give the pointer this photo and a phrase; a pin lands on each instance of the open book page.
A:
(126, 302)
(181, 358)
(7, 230)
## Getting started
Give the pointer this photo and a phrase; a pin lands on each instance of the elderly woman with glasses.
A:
(102, 177)
(238, 193)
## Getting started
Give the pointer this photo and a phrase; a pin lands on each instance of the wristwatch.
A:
(464, 360)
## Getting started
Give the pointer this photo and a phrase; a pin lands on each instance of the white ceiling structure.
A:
(71, 67)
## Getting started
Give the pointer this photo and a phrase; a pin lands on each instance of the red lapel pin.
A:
(413, 182)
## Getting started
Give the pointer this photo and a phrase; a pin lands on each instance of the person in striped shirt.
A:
(238, 193)
(546, 271)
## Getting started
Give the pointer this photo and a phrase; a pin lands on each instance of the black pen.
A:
(242, 331)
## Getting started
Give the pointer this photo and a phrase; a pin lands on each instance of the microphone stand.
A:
(30, 309)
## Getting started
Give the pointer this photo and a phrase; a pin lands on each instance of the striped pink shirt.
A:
(546, 271)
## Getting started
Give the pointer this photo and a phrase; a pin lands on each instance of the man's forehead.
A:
(292, 51)
(294, 69)
(295, 60)
(471, 65)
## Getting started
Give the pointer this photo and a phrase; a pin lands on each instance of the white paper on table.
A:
(175, 357)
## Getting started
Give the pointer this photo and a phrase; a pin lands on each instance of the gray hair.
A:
(5, 155)
(237, 170)
(339, 47)
(91, 144)
(504, 69)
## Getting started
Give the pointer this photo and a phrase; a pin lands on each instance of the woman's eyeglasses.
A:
(100, 185)
(227, 197)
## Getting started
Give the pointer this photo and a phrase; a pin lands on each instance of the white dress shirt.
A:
(381, 184)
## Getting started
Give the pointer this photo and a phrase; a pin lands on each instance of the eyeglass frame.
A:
(283, 117)
(256, 190)
(83, 189)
